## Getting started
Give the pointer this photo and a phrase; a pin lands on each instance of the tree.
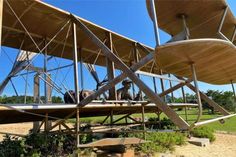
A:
(224, 99)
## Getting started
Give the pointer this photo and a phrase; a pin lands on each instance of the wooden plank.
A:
(113, 142)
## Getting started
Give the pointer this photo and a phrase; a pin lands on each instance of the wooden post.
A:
(155, 23)
(77, 129)
(162, 86)
(36, 98)
(110, 68)
(172, 94)
(186, 114)
(159, 118)
(75, 59)
(183, 94)
(136, 60)
(49, 88)
(234, 95)
(197, 92)
(154, 84)
(46, 124)
(143, 122)
(111, 117)
(232, 84)
(36, 88)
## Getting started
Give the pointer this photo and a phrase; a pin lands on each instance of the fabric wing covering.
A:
(43, 21)
(202, 17)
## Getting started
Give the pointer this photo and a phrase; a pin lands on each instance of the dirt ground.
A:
(224, 146)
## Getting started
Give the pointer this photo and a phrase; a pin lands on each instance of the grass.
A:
(228, 126)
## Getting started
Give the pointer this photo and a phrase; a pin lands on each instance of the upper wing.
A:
(43, 21)
(202, 16)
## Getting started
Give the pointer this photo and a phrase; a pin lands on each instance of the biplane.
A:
(202, 48)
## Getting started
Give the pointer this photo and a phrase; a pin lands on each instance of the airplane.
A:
(202, 48)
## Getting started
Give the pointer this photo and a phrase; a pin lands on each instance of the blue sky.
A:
(129, 18)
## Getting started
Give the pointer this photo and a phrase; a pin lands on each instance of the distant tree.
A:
(29, 99)
(57, 99)
(224, 99)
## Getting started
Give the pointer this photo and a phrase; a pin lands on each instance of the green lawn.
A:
(228, 126)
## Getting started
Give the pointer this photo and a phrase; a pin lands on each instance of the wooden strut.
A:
(143, 122)
(119, 119)
(75, 59)
(208, 100)
(197, 93)
(172, 94)
(58, 122)
(162, 86)
(110, 68)
(105, 119)
(181, 123)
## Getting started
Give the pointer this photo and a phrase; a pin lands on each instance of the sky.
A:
(126, 17)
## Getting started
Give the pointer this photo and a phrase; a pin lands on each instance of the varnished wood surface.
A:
(214, 59)
(202, 17)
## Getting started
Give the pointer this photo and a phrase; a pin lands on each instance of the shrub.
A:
(203, 132)
(11, 147)
(160, 142)
(38, 145)
(165, 123)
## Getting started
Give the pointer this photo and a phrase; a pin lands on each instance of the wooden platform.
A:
(113, 142)
(17, 113)
(214, 59)
(202, 16)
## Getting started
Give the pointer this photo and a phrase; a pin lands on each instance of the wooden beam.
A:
(125, 116)
(105, 119)
(36, 88)
(172, 94)
(75, 59)
(199, 101)
(46, 124)
(76, 81)
(58, 122)
(183, 94)
(143, 122)
(77, 127)
(68, 128)
(162, 86)
(110, 68)
(111, 117)
(232, 84)
(175, 88)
